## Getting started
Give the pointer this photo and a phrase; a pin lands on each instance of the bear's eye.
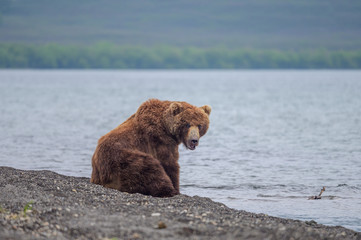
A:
(188, 125)
(199, 127)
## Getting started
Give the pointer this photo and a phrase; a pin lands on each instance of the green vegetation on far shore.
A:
(110, 56)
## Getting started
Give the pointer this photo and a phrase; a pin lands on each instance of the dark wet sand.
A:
(72, 208)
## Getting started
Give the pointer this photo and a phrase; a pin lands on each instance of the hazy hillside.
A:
(332, 24)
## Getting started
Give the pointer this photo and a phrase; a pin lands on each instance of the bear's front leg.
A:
(173, 173)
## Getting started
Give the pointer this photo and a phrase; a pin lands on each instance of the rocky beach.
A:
(47, 205)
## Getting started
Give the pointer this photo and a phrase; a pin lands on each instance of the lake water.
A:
(275, 138)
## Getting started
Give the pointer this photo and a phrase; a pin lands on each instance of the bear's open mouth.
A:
(191, 146)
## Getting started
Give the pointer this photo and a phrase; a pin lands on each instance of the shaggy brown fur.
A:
(141, 154)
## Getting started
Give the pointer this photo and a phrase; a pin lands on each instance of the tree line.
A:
(110, 56)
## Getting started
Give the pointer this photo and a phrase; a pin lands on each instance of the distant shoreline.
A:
(110, 56)
(47, 205)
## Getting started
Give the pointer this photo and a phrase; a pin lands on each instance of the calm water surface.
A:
(276, 137)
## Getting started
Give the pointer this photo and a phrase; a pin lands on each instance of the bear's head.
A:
(187, 123)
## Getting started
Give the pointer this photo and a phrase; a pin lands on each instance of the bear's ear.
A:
(175, 108)
(207, 109)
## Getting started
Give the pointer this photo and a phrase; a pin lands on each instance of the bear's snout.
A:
(193, 138)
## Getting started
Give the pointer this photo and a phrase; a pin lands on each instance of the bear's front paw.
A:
(165, 192)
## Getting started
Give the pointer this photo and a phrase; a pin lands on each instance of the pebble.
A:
(161, 225)
(136, 236)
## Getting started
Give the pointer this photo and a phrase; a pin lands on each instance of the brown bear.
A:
(141, 154)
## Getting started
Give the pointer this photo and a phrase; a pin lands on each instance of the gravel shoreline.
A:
(47, 205)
